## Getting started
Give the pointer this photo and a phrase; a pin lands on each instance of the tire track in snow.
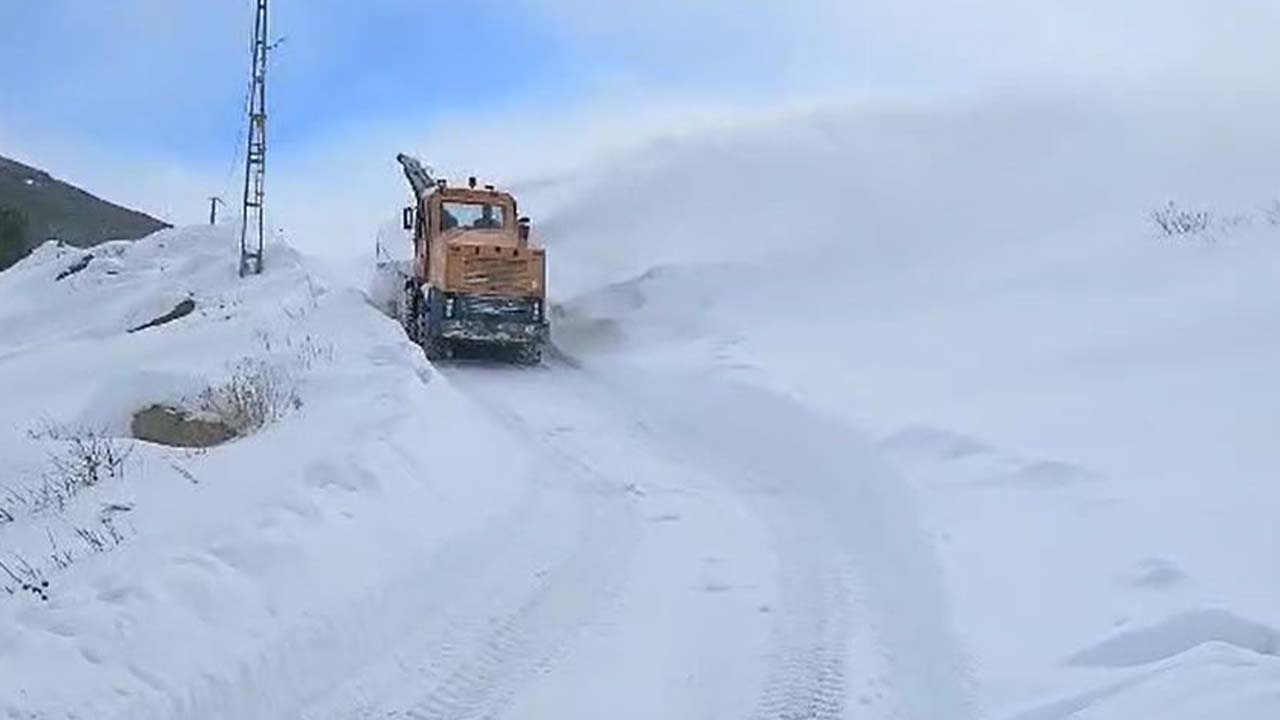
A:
(813, 474)
(810, 636)
(528, 639)
(502, 611)
(806, 679)
(811, 631)
(493, 644)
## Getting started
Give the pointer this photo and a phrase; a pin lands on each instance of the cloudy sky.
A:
(141, 100)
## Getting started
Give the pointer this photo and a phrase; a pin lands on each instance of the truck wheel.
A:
(411, 313)
(437, 348)
(529, 354)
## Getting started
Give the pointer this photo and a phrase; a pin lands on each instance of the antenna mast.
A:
(253, 223)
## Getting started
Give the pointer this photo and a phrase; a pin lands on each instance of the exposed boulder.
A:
(179, 311)
(174, 427)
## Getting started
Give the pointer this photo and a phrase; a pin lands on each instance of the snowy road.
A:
(739, 559)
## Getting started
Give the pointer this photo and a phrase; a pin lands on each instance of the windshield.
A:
(469, 216)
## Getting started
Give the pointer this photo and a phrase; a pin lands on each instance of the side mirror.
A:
(409, 217)
(524, 228)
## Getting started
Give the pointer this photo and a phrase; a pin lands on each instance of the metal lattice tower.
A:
(253, 224)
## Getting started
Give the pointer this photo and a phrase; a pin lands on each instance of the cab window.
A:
(472, 216)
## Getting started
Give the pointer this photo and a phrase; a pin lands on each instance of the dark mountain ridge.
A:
(35, 207)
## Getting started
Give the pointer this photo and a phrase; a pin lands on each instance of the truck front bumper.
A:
(486, 319)
(503, 332)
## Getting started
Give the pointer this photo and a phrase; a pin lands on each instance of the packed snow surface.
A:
(858, 415)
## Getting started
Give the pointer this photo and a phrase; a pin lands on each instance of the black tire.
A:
(411, 309)
(437, 348)
(417, 323)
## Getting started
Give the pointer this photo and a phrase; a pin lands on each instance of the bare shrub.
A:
(259, 392)
(183, 471)
(25, 577)
(62, 558)
(18, 575)
(102, 538)
(1172, 221)
(10, 503)
(82, 458)
(301, 353)
(254, 395)
(309, 352)
(78, 459)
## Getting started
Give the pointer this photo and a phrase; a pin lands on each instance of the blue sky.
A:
(135, 75)
(168, 76)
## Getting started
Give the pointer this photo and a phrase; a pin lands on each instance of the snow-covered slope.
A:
(248, 578)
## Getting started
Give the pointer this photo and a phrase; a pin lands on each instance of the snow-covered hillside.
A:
(242, 580)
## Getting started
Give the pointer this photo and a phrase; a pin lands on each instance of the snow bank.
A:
(245, 580)
(1082, 406)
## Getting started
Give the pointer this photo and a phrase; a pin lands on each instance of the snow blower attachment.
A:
(475, 282)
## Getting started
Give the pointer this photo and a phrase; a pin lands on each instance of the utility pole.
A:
(253, 222)
(214, 202)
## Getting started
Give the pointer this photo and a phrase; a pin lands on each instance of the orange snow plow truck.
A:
(475, 281)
